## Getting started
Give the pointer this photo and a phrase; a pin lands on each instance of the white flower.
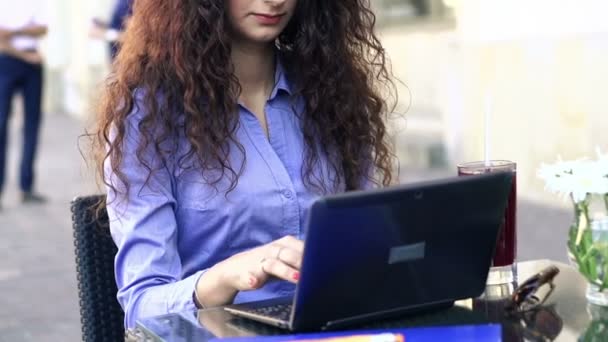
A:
(576, 178)
(558, 177)
(602, 161)
(602, 172)
(585, 180)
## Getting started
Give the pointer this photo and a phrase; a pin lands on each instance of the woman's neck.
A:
(254, 68)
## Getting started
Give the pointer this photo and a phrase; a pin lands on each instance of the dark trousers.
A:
(17, 76)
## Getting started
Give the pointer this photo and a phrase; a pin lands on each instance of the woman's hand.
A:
(251, 269)
(33, 58)
(6, 35)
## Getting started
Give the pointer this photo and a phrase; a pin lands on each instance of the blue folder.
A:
(457, 333)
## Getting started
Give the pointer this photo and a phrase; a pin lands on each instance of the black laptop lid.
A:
(402, 247)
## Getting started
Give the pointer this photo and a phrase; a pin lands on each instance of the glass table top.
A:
(566, 315)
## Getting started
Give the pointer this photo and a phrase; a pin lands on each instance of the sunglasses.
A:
(541, 324)
(525, 297)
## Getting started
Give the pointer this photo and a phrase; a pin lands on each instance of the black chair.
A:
(101, 316)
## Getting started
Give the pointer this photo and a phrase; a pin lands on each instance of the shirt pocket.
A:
(194, 192)
(247, 217)
(198, 197)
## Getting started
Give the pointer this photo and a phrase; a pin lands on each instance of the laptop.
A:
(386, 252)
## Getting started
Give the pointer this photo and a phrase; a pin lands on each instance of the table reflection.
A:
(539, 324)
(597, 329)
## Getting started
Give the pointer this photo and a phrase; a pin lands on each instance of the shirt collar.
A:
(280, 79)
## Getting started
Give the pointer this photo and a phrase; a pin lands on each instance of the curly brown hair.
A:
(181, 49)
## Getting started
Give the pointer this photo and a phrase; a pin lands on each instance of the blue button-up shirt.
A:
(122, 10)
(177, 226)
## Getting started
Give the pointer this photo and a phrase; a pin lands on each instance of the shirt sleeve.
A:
(143, 225)
(370, 177)
(121, 11)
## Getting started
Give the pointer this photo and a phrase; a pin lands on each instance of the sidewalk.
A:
(38, 292)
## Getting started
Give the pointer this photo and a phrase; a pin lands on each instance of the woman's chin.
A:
(263, 35)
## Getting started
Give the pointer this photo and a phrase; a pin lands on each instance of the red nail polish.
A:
(296, 276)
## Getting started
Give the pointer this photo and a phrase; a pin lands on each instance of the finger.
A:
(292, 242)
(259, 272)
(291, 257)
(251, 281)
(281, 270)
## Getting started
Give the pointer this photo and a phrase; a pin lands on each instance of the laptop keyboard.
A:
(278, 311)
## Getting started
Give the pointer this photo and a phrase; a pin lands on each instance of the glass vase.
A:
(588, 246)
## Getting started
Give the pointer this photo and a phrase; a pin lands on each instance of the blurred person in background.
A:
(221, 123)
(22, 24)
(111, 32)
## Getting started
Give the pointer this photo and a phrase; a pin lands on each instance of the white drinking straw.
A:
(486, 131)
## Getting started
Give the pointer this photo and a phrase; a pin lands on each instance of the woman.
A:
(222, 122)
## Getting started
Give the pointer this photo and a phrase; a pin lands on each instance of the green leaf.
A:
(590, 262)
(603, 251)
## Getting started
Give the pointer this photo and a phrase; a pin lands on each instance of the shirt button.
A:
(287, 194)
